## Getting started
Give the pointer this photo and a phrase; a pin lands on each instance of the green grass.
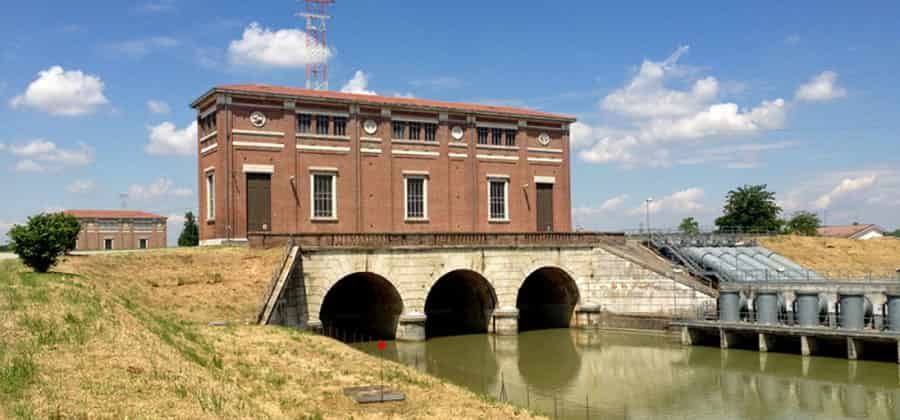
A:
(17, 375)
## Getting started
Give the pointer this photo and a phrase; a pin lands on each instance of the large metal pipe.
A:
(808, 308)
(767, 306)
(730, 304)
(893, 309)
(852, 309)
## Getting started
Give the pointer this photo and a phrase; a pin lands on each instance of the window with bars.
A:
(107, 243)
(399, 128)
(416, 197)
(497, 197)
(510, 137)
(322, 124)
(107, 225)
(340, 126)
(482, 135)
(208, 123)
(304, 123)
(415, 130)
(144, 225)
(323, 196)
(430, 132)
(496, 137)
(142, 244)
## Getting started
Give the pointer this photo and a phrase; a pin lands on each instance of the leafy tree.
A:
(689, 226)
(189, 234)
(896, 233)
(45, 237)
(803, 223)
(750, 207)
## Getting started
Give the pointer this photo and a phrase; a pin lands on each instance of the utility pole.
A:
(649, 231)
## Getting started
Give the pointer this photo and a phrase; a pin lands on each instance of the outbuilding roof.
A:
(262, 89)
(113, 214)
(846, 231)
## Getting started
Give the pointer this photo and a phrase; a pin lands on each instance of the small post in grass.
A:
(381, 346)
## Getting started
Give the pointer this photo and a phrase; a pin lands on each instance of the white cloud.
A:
(359, 84)
(792, 39)
(166, 139)
(40, 155)
(284, 48)
(821, 88)
(158, 107)
(846, 187)
(28, 165)
(81, 186)
(159, 6)
(4, 231)
(611, 204)
(60, 92)
(161, 188)
(684, 201)
(137, 48)
(645, 96)
(665, 126)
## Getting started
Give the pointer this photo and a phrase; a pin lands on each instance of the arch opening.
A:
(361, 306)
(546, 300)
(460, 302)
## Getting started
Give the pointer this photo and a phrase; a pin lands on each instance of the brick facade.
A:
(125, 229)
(370, 169)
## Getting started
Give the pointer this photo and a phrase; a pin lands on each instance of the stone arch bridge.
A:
(417, 286)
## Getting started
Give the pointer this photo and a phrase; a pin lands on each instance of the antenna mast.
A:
(317, 43)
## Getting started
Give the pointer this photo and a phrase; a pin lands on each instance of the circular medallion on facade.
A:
(258, 119)
(457, 132)
(370, 127)
(544, 139)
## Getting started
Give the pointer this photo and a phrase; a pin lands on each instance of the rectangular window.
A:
(482, 135)
(399, 127)
(430, 132)
(496, 137)
(304, 123)
(323, 196)
(510, 137)
(142, 244)
(497, 199)
(107, 243)
(415, 130)
(340, 126)
(416, 197)
(108, 225)
(144, 225)
(322, 124)
(210, 196)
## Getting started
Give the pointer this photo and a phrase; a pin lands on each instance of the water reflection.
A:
(575, 374)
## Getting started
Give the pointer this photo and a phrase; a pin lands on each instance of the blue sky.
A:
(676, 102)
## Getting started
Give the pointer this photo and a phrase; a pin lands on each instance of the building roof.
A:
(846, 231)
(113, 214)
(261, 89)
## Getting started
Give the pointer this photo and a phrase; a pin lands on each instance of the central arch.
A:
(546, 299)
(362, 305)
(460, 302)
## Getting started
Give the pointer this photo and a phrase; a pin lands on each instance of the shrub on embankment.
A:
(104, 336)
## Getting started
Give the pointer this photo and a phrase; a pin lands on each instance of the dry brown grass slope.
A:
(126, 336)
(838, 256)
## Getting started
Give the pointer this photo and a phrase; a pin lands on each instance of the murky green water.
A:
(574, 374)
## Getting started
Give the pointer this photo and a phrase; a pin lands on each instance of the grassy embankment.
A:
(832, 257)
(126, 336)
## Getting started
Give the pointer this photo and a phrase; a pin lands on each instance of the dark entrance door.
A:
(259, 202)
(544, 207)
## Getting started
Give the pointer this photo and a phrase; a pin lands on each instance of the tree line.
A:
(753, 208)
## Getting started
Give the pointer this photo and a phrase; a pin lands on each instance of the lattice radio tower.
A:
(316, 15)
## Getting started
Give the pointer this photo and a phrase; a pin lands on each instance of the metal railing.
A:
(437, 239)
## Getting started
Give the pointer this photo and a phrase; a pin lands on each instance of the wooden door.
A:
(259, 202)
(545, 207)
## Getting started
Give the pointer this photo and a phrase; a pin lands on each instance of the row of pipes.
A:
(853, 308)
(750, 263)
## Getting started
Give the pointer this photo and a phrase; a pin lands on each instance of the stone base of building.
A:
(506, 321)
(411, 327)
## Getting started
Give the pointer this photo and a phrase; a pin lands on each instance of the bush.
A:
(44, 238)
(803, 223)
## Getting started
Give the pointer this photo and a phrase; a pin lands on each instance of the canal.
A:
(576, 374)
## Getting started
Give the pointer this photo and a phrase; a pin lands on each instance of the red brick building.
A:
(286, 160)
(119, 229)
